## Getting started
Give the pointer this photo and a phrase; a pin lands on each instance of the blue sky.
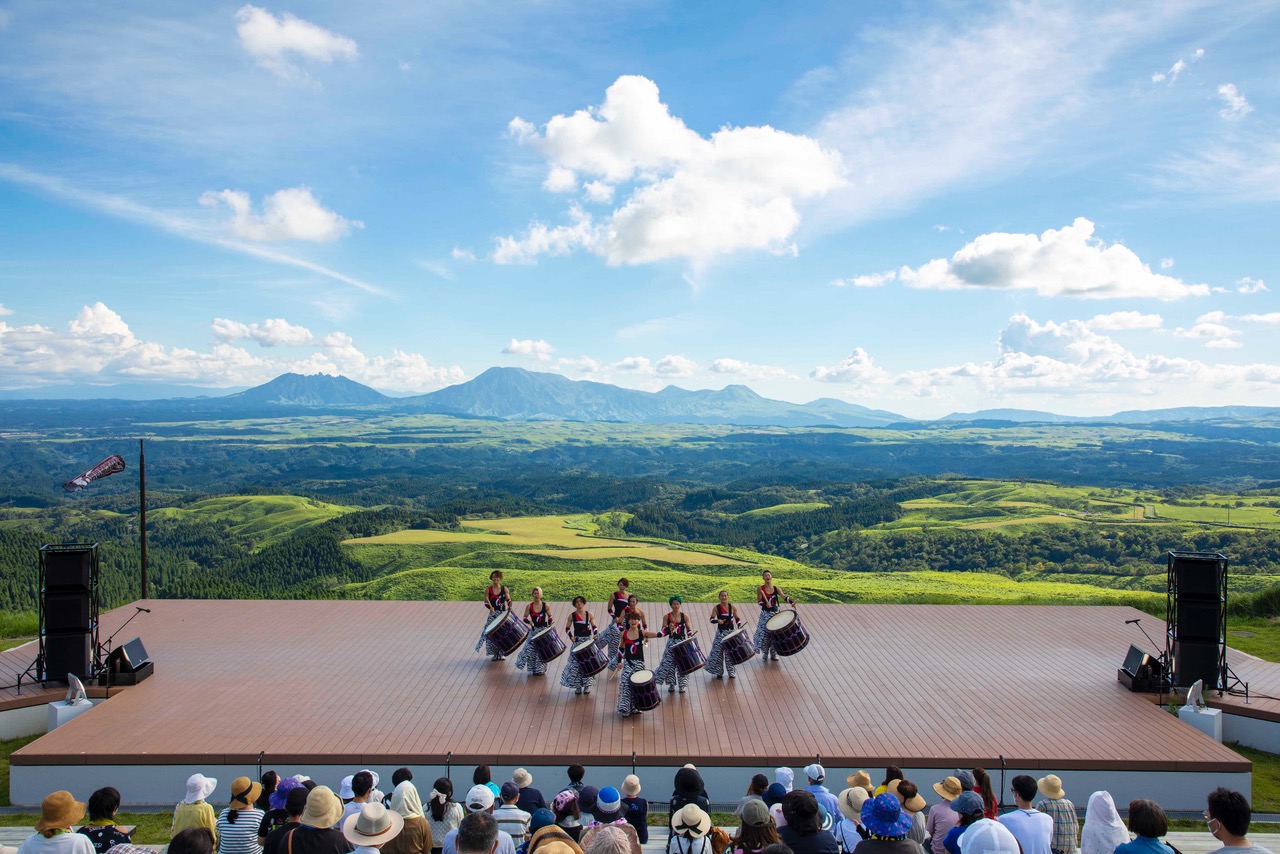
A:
(922, 207)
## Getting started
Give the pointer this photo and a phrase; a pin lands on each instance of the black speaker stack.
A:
(68, 612)
(1196, 619)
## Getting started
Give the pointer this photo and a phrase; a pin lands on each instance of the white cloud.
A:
(4, 311)
(560, 180)
(276, 332)
(1249, 286)
(1211, 329)
(675, 366)
(292, 214)
(1271, 318)
(690, 197)
(858, 368)
(1242, 166)
(530, 348)
(633, 365)
(1176, 69)
(404, 65)
(460, 254)
(97, 346)
(600, 192)
(868, 280)
(750, 371)
(1060, 262)
(1166, 263)
(584, 365)
(276, 42)
(1119, 320)
(1237, 106)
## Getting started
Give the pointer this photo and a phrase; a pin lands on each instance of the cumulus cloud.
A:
(1249, 286)
(687, 197)
(869, 280)
(276, 332)
(1119, 320)
(856, 368)
(1212, 330)
(98, 346)
(675, 366)
(292, 214)
(276, 43)
(1068, 261)
(1237, 106)
(582, 365)
(750, 371)
(530, 349)
(633, 365)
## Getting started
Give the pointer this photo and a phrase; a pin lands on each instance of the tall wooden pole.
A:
(142, 503)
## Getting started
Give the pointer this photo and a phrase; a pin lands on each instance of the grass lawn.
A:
(1258, 636)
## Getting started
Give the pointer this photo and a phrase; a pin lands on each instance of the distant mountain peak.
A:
(311, 390)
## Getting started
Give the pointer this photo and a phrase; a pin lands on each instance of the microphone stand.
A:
(105, 648)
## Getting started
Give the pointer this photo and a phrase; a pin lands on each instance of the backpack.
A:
(720, 839)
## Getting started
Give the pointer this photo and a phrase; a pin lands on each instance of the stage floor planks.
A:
(356, 683)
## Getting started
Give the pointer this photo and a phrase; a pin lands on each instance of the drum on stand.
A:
(507, 633)
(787, 632)
(644, 691)
(548, 643)
(738, 647)
(591, 658)
(687, 656)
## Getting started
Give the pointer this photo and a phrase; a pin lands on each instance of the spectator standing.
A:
(58, 811)
(1103, 830)
(1148, 823)
(510, 817)
(849, 830)
(635, 808)
(101, 828)
(756, 831)
(1032, 828)
(755, 792)
(1066, 827)
(315, 832)
(803, 833)
(295, 803)
(908, 794)
(690, 826)
(1228, 816)
(443, 812)
(888, 825)
(371, 828)
(826, 800)
(415, 837)
(942, 818)
(530, 799)
(479, 800)
(238, 824)
(568, 815)
(194, 811)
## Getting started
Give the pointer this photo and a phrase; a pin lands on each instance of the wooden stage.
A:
(387, 683)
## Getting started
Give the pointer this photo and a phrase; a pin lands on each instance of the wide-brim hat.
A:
(373, 825)
(522, 778)
(883, 816)
(859, 779)
(199, 788)
(553, 840)
(948, 789)
(774, 794)
(281, 794)
(323, 808)
(851, 801)
(631, 786)
(344, 788)
(59, 810)
(691, 822)
(1050, 786)
(244, 792)
(913, 804)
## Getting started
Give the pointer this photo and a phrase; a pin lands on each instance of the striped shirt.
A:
(1066, 827)
(242, 836)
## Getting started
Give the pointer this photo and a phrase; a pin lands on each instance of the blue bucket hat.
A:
(883, 817)
(774, 794)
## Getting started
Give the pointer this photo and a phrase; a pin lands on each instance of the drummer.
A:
(630, 658)
(538, 616)
(677, 628)
(633, 607)
(617, 607)
(497, 601)
(580, 626)
(768, 596)
(726, 618)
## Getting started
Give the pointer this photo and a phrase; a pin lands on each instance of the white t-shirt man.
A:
(1033, 830)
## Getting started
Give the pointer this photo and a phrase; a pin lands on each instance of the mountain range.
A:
(515, 394)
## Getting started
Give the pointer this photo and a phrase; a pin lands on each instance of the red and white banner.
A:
(111, 465)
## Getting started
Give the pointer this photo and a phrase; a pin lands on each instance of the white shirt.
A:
(61, 843)
(450, 845)
(1033, 830)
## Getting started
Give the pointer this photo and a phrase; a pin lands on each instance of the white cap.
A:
(480, 798)
(786, 777)
(344, 790)
(815, 772)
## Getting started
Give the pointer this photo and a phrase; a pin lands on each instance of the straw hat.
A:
(522, 778)
(244, 792)
(915, 804)
(691, 822)
(755, 813)
(553, 840)
(1050, 786)
(323, 808)
(883, 816)
(60, 810)
(373, 825)
(948, 789)
(631, 786)
(861, 778)
(851, 801)
(199, 787)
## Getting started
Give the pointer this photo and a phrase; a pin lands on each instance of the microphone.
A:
(140, 608)
(1131, 622)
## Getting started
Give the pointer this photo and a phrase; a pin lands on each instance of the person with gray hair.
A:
(477, 834)
(609, 839)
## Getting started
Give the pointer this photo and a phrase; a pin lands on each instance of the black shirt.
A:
(531, 799)
(308, 840)
(637, 815)
(104, 836)
(272, 819)
(821, 842)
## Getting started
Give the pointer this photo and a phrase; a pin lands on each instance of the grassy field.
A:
(262, 518)
(780, 509)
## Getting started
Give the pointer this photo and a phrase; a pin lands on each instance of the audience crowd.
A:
(294, 815)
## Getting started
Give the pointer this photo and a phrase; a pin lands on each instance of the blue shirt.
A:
(830, 803)
(1144, 845)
